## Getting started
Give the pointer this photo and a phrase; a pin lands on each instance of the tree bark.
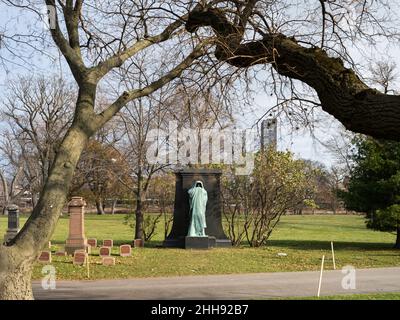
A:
(100, 206)
(113, 206)
(5, 192)
(397, 244)
(15, 274)
(18, 256)
(139, 234)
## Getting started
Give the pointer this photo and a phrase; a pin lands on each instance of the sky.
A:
(300, 142)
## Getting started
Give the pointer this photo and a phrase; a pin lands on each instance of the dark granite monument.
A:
(13, 222)
(184, 181)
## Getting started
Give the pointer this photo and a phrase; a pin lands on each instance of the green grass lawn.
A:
(366, 296)
(303, 238)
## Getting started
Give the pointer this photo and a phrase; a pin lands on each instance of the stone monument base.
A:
(198, 242)
(71, 248)
(181, 243)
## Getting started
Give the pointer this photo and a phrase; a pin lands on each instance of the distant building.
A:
(269, 133)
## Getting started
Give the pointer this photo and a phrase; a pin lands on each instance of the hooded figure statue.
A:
(198, 202)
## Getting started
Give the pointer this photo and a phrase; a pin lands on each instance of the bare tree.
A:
(100, 170)
(384, 75)
(10, 192)
(137, 122)
(97, 37)
(92, 50)
(37, 112)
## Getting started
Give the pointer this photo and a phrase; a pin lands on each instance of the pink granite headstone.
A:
(108, 243)
(45, 257)
(125, 250)
(92, 242)
(80, 257)
(105, 251)
(108, 261)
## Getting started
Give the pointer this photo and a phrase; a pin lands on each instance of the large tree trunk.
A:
(113, 206)
(15, 274)
(397, 244)
(139, 234)
(341, 92)
(100, 206)
(18, 256)
(139, 218)
(5, 192)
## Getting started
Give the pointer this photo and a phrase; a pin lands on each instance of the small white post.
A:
(333, 256)
(320, 276)
(88, 265)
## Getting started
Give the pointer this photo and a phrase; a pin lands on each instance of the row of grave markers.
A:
(110, 243)
(80, 256)
(76, 242)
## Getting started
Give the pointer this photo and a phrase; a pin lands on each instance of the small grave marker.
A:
(105, 252)
(108, 243)
(80, 258)
(108, 261)
(138, 243)
(45, 257)
(92, 242)
(125, 250)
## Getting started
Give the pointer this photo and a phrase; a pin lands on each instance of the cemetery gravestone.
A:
(76, 239)
(125, 250)
(108, 243)
(211, 179)
(105, 251)
(13, 223)
(80, 258)
(92, 242)
(45, 257)
(108, 261)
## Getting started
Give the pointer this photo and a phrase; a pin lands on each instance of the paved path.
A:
(240, 286)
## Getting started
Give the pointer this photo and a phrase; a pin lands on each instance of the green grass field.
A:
(366, 296)
(303, 238)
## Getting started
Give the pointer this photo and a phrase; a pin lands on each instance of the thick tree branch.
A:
(128, 96)
(68, 49)
(71, 14)
(120, 57)
(342, 94)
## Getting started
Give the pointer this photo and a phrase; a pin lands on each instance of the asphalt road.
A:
(231, 287)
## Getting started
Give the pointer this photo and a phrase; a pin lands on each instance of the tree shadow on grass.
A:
(312, 226)
(290, 244)
(326, 245)
(117, 243)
